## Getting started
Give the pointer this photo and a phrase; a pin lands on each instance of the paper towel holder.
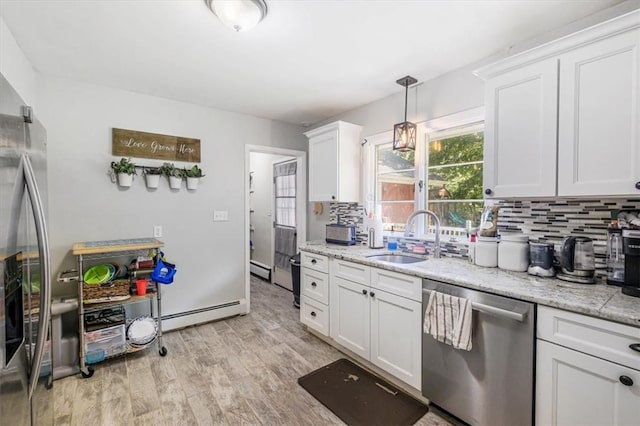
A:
(372, 239)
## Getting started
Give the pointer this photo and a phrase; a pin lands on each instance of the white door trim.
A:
(301, 204)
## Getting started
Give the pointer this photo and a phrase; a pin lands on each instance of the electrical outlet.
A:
(157, 231)
(220, 215)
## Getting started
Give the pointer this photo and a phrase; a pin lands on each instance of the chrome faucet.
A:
(436, 223)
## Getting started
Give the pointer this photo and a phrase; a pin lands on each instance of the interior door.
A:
(285, 244)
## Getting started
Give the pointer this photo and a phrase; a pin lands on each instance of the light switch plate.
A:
(220, 215)
(157, 231)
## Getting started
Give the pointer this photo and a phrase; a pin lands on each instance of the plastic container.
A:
(104, 343)
(392, 245)
(487, 252)
(513, 252)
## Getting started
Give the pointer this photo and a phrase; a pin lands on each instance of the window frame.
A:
(441, 126)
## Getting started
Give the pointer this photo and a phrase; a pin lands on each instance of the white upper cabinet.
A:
(334, 162)
(563, 119)
(599, 131)
(520, 132)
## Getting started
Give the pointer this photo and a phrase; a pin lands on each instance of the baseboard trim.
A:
(198, 316)
(260, 269)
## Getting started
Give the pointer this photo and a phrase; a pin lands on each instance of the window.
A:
(444, 175)
(285, 193)
(454, 177)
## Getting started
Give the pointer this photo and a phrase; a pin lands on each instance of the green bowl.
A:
(98, 274)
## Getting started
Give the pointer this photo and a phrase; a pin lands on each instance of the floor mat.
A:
(360, 398)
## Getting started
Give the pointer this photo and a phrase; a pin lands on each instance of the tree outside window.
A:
(448, 182)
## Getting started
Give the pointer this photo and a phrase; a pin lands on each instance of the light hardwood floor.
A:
(241, 370)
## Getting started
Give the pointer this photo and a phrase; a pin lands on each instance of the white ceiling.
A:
(307, 61)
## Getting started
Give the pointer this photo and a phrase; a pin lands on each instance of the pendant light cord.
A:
(406, 98)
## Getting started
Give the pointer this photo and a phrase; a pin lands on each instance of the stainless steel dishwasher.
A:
(493, 383)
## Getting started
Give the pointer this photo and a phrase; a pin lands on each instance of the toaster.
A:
(341, 234)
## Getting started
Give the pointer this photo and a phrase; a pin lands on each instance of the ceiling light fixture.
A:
(404, 134)
(241, 15)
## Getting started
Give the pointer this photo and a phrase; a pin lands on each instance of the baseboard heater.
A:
(260, 269)
(201, 310)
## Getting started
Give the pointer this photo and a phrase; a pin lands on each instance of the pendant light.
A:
(240, 15)
(404, 134)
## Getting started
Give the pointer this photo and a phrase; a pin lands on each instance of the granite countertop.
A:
(598, 300)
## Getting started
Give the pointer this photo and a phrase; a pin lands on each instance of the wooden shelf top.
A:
(112, 246)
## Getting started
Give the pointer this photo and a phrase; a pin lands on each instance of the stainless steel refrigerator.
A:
(26, 373)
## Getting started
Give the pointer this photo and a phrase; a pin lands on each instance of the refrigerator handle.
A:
(45, 270)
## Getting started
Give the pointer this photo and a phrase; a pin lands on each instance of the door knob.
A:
(313, 261)
(488, 191)
(638, 185)
(313, 314)
(635, 347)
(626, 380)
(372, 294)
(313, 284)
(333, 197)
(364, 292)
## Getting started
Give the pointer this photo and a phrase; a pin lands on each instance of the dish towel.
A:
(285, 242)
(449, 319)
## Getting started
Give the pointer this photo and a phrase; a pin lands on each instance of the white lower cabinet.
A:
(350, 313)
(396, 342)
(587, 371)
(314, 292)
(381, 327)
(573, 388)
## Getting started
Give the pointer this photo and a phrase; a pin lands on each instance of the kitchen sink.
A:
(396, 258)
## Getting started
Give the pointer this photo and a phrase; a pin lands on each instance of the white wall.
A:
(15, 67)
(86, 206)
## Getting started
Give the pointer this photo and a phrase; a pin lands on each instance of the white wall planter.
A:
(192, 183)
(175, 182)
(152, 181)
(125, 180)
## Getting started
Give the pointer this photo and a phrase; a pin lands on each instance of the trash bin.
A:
(295, 279)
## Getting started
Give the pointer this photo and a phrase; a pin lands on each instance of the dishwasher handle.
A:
(492, 310)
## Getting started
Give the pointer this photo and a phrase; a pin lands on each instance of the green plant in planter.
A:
(168, 169)
(194, 172)
(124, 166)
(152, 171)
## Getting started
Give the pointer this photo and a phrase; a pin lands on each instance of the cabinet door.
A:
(350, 310)
(577, 389)
(520, 132)
(395, 336)
(323, 167)
(599, 132)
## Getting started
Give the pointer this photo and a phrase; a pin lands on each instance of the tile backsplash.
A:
(553, 219)
(543, 220)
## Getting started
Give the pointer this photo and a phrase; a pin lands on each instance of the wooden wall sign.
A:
(131, 143)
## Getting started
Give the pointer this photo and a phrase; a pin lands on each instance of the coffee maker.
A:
(631, 243)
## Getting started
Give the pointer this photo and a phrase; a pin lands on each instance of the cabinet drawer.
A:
(314, 315)
(317, 262)
(396, 283)
(353, 272)
(601, 338)
(315, 285)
